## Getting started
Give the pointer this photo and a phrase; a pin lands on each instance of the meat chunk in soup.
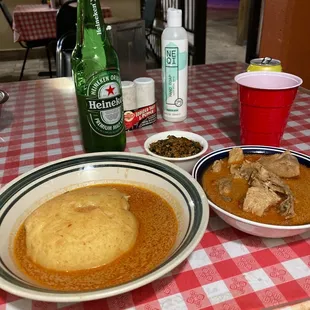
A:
(284, 165)
(247, 168)
(244, 170)
(225, 186)
(262, 178)
(258, 176)
(217, 166)
(235, 161)
(259, 199)
(286, 207)
(235, 171)
(235, 156)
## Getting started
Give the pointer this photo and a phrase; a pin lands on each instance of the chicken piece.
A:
(262, 178)
(217, 166)
(243, 171)
(247, 168)
(258, 176)
(235, 161)
(284, 165)
(235, 156)
(224, 187)
(285, 207)
(259, 199)
(235, 171)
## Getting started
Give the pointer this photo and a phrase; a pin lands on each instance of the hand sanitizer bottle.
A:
(174, 44)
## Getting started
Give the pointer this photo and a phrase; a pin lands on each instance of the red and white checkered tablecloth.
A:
(228, 270)
(38, 21)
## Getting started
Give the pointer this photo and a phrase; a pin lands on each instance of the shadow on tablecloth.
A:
(6, 118)
(229, 123)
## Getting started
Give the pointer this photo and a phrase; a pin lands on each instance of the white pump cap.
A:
(174, 17)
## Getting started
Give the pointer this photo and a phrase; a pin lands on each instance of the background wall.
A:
(285, 33)
(120, 8)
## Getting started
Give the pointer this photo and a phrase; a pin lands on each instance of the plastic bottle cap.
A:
(144, 80)
(127, 84)
(174, 17)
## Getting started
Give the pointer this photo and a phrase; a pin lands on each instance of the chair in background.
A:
(66, 18)
(64, 50)
(28, 45)
(66, 37)
(149, 17)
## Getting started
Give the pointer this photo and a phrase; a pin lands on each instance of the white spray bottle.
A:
(174, 45)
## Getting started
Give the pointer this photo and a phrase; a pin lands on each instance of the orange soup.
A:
(300, 187)
(158, 229)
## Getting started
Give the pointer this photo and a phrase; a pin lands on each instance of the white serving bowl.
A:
(21, 196)
(186, 163)
(250, 227)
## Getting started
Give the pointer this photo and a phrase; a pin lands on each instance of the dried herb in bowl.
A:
(175, 147)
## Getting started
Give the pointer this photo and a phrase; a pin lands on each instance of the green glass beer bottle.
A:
(95, 70)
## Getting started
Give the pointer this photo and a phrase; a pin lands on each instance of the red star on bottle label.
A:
(110, 90)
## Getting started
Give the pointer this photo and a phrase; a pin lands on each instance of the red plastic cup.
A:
(265, 100)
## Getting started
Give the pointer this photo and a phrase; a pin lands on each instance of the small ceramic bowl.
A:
(22, 195)
(250, 227)
(186, 163)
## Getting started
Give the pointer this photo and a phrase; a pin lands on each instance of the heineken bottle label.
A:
(105, 104)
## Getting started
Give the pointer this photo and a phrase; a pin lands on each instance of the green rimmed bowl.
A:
(22, 195)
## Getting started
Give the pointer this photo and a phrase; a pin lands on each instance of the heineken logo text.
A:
(95, 14)
(102, 80)
(104, 104)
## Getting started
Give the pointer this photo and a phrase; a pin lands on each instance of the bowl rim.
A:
(186, 134)
(56, 296)
(236, 217)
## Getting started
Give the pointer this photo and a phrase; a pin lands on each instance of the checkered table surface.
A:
(228, 270)
(38, 21)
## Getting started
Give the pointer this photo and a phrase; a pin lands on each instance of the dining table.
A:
(228, 269)
(38, 21)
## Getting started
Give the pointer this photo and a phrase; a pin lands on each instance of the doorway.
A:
(223, 42)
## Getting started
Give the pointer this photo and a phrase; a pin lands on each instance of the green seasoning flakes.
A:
(175, 147)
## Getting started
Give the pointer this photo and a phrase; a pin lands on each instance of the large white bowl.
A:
(186, 163)
(22, 195)
(250, 227)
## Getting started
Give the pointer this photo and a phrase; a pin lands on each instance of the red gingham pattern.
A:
(228, 270)
(38, 21)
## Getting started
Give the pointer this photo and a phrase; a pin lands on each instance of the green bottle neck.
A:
(90, 20)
